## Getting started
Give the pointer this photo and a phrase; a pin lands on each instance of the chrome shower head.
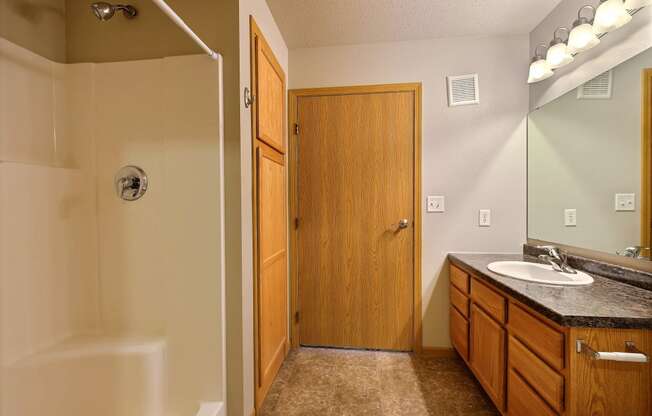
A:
(104, 11)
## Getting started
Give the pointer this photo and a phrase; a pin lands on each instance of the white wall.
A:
(581, 153)
(473, 155)
(616, 47)
(240, 352)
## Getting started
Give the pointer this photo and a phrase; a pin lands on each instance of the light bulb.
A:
(539, 70)
(636, 4)
(611, 15)
(558, 56)
(582, 38)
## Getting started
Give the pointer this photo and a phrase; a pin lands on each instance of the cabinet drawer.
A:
(544, 340)
(460, 301)
(459, 329)
(522, 401)
(543, 379)
(492, 302)
(459, 278)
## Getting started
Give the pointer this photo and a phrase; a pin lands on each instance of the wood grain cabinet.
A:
(529, 365)
(487, 355)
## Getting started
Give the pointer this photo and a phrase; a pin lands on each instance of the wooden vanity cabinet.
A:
(529, 366)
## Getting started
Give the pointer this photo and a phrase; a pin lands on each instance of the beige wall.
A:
(473, 155)
(241, 334)
(616, 47)
(151, 34)
(37, 25)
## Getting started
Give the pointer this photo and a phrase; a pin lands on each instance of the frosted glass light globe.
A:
(582, 38)
(610, 15)
(539, 70)
(559, 56)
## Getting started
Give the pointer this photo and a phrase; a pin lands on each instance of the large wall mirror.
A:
(589, 164)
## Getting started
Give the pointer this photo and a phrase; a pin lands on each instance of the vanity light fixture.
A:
(540, 68)
(610, 15)
(558, 54)
(636, 4)
(582, 38)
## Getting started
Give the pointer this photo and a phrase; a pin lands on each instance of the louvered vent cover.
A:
(599, 88)
(463, 90)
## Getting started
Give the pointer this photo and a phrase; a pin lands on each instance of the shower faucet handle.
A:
(131, 183)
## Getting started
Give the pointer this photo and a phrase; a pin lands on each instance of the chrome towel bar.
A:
(633, 354)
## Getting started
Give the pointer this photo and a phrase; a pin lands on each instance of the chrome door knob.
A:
(404, 223)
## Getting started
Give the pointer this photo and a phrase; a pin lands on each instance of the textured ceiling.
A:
(310, 23)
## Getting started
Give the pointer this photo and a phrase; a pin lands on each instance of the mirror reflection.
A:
(589, 163)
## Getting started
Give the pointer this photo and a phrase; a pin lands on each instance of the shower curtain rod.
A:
(179, 22)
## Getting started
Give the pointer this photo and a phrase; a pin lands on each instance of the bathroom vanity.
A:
(532, 347)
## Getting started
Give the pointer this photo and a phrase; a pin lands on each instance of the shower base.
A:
(89, 375)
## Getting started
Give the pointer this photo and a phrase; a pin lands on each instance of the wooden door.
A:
(487, 355)
(268, 86)
(355, 183)
(270, 215)
(272, 283)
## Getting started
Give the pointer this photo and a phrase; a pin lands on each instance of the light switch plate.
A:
(484, 218)
(625, 202)
(436, 204)
(570, 217)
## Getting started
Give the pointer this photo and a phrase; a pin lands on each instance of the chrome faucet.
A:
(634, 252)
(557, 258)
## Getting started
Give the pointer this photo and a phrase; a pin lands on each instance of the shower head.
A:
(104, 11)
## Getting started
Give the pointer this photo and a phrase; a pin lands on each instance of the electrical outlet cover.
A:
(484, 218)
(625, 202)
(570, 217)
(436, 204)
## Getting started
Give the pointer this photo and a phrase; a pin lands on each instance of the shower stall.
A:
(109, 305)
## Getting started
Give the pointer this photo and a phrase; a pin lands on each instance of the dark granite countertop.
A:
(605, 303)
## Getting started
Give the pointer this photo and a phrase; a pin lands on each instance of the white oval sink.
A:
(539, 273)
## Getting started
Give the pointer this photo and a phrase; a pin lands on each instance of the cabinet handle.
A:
(633, 354)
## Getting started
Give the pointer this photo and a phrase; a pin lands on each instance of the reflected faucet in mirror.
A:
(557, 258)
(634, 252)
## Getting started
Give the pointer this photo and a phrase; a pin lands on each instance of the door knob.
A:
(404, 223)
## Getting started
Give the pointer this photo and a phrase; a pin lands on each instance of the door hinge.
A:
(296, 129)
(296, 223)
(296, 317)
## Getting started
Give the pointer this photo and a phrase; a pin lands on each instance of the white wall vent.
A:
(599, 88)
(463, 90)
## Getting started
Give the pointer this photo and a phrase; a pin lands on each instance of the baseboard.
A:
(438, 352)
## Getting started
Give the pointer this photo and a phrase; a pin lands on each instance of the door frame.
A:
(646, 159)
(293, 95)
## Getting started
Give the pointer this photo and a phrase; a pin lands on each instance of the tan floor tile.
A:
(331, 382)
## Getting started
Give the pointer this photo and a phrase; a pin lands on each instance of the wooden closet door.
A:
(270, 215)
(272, 282)
(269, 90)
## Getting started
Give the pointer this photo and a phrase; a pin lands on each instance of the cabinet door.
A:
(487, 355)
(459, 329)
(605, 388)
(269, 89)
(271, 282)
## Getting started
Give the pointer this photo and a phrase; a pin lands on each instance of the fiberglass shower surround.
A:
(105, 309)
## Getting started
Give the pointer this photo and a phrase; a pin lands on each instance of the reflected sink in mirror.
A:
(539, 273)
